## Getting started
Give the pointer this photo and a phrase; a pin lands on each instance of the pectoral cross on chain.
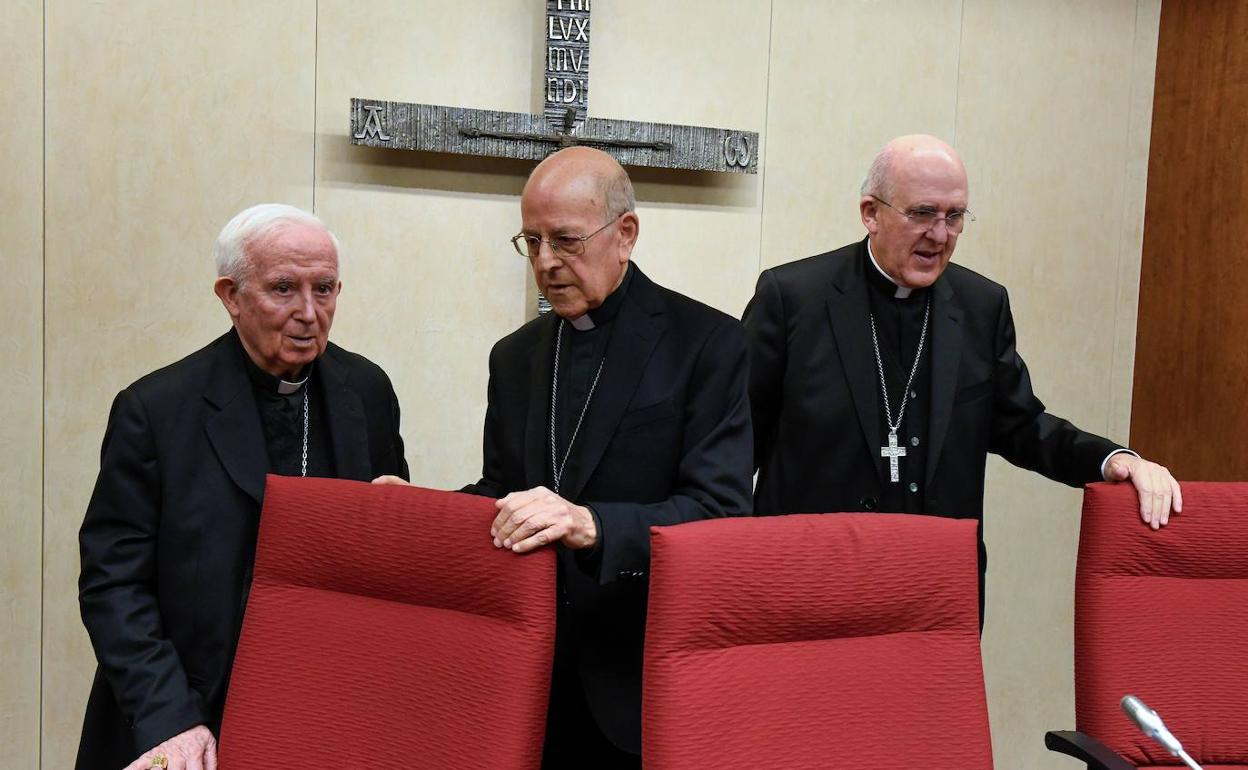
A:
(892, 452)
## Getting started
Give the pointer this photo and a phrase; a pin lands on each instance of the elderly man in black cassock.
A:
(625, 408)
(169, 537)
(881, 375)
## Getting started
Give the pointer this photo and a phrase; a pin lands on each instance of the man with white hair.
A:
(169, 537)
(881, 375)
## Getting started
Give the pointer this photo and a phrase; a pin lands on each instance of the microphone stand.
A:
(1188, 760)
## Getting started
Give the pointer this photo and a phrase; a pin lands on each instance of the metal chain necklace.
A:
(556, 468)
(304, 463)
(893, 451)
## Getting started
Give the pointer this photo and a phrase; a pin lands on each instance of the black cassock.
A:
(169, 536)
(666, 439)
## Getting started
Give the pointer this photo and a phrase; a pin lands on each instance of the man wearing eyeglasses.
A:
(624, 408)
(881, 375)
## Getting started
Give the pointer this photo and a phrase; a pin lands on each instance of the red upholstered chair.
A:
(814, 641)
(1163, 616)
(383, 630)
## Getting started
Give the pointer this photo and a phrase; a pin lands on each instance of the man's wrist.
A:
(589, 527)
(1110, 456)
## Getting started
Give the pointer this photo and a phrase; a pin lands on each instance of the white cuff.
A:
(1111, 454)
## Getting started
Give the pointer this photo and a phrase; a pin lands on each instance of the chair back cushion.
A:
(384, 629)
(1164, 616)
(814, 641)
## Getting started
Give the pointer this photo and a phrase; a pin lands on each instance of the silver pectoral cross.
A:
(892, 452)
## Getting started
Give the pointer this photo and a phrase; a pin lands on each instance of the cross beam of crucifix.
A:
(564, 123)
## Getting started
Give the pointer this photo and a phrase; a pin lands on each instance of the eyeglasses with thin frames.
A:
(924, 219)
(564, 246)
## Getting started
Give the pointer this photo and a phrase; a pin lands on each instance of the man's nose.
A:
(939, 231)
(546, 258)
(305, 308)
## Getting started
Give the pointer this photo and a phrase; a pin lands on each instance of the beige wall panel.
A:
(845, 78)
(431, 280)
(696, 63)
(1131, 242)
(21, 410)
(163, 120)
(1045, 119)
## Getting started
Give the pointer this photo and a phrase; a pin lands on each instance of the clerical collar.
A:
(900, 292)
(610, 307)
(268, 383)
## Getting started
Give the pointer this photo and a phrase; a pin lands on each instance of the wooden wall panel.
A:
(1192, 361)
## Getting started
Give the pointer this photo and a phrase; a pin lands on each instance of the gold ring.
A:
(160, 760)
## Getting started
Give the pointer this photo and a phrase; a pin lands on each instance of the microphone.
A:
(1150, 724)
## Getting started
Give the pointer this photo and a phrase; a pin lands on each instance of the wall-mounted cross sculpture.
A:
(434, 128)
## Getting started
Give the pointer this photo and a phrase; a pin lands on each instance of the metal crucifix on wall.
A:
(564, 123)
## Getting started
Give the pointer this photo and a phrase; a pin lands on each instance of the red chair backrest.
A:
(814, 641)
(1164, 616)
(384, 629)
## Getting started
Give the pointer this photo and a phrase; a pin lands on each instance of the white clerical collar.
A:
(583, 324)
(285, 387)
(902, 292)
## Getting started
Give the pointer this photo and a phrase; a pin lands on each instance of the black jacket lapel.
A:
(638, 328)
(234, 431)
(537, 423)
(348, 430)
(848, 312)
(946, 358)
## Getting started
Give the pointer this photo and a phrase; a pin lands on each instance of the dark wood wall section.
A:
(1190, 402)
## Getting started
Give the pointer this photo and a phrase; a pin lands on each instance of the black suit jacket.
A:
(169, 536)
(814, 390)
(666, 439)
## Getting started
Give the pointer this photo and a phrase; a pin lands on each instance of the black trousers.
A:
(573, 738)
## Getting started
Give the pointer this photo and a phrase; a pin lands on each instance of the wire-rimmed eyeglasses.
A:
(564, 246)
(924, 219)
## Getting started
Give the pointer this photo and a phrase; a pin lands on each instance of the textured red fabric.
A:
(384, 629)
(814, 641)
(1164, 616)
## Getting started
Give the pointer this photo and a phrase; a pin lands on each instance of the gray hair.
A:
(878, 182)
(251, 225)
(618, 195)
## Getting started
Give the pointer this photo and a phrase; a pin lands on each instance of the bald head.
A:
(905, 153)
(913, 205)
(580, 197)
(591, 173)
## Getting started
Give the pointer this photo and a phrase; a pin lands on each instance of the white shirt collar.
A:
(902, 292)
(582, 324)
(285, 387)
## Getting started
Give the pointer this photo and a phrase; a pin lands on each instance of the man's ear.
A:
(869, 210)
(630, 228)
(227, 290)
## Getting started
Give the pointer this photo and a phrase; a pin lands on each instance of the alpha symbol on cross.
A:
(372, 125)
(892, 452)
